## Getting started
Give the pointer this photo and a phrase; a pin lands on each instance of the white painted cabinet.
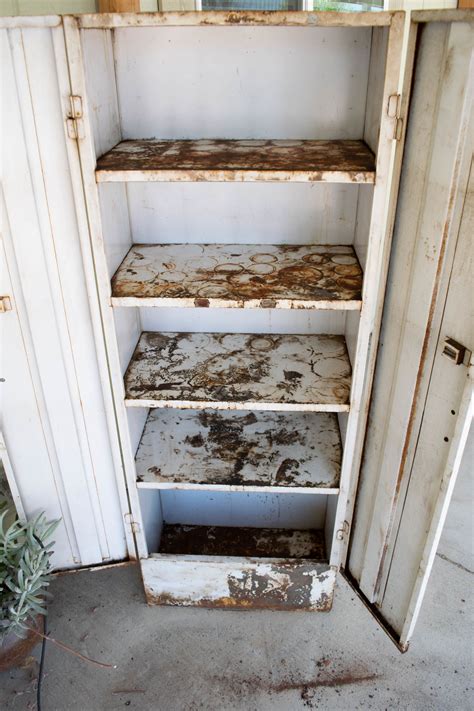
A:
(223, 191)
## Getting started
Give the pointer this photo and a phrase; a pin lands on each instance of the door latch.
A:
(456, 352)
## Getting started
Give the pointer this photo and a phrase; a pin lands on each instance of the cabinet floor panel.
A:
(343, 161)
(239, 371)
(234, 451)
(243, 542)
(239, 276)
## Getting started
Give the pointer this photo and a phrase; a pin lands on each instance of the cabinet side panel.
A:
(378, 55)
(101, 90)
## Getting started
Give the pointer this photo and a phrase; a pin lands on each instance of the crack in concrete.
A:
(453, 562)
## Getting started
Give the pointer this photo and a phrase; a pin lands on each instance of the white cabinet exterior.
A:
(74, 88)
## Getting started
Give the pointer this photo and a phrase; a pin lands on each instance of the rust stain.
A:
(238, 368)
(243, 542)
(231, 275)
(240, 603)
(197, 157)
(287, 587)
(240, 448)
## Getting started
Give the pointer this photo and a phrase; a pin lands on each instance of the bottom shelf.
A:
(247, 542)
(240, 568)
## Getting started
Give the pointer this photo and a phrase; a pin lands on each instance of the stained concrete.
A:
(171, 659)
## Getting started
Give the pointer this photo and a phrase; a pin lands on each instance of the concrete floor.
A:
(172, 659)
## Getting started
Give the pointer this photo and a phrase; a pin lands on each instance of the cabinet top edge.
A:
(235, 18)
(269, 18)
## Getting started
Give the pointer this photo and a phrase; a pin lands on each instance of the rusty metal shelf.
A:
(240, 568)
(240, 451)
(340, 161)
(239, 276)
(234, 371)
(226, 541)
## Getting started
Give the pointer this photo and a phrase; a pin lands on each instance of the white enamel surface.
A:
(242, 82)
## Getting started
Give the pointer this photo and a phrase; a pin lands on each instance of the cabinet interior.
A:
(193, 245)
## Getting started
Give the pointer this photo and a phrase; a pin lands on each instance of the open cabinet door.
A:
(422, 397)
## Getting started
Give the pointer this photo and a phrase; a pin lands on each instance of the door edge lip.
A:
(372, 608)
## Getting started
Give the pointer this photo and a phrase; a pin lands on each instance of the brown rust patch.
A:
(254, 584)
(234, 368)
(274, 276)
(199, 158)
(240, 449)
(201, 303)
(243, 542)
(285, 587)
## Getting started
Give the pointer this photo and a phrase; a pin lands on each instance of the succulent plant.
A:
(24, 570)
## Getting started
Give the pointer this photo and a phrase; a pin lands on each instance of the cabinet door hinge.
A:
(134, 526)
(393, 111)
(342, 532)
(74, 122)
(5, 304)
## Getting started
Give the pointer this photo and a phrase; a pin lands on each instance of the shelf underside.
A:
(344, 161)
(242, 542)
(239, 371)
(233, 451)
(239, 276)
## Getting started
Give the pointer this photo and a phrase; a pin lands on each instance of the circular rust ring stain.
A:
(348, 282)
(346, 270)
(212, 291)
(228, 268)
(263, 258)
(315, 258)
(343, 259)
(260, 343)
(262, 268)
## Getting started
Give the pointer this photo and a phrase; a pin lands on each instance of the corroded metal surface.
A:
(243, 542)
(232, 18)
(240, 276)
(239, 371)
(238, 583)
(195, 160)
(194, 449)
(240, 568)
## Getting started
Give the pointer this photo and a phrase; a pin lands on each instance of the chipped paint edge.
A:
(266, 303)
(188, 175)
(203, 581)
(242, 488)
(221, 405)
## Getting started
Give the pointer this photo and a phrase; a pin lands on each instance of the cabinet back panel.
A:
(242, 320)
(201, 508)
(247, 213)
(242, 82)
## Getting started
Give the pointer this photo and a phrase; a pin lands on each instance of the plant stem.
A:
(69, 649)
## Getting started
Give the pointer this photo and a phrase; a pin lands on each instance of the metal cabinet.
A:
(234, 180)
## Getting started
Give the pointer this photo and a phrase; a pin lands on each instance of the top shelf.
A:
(242, 161)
